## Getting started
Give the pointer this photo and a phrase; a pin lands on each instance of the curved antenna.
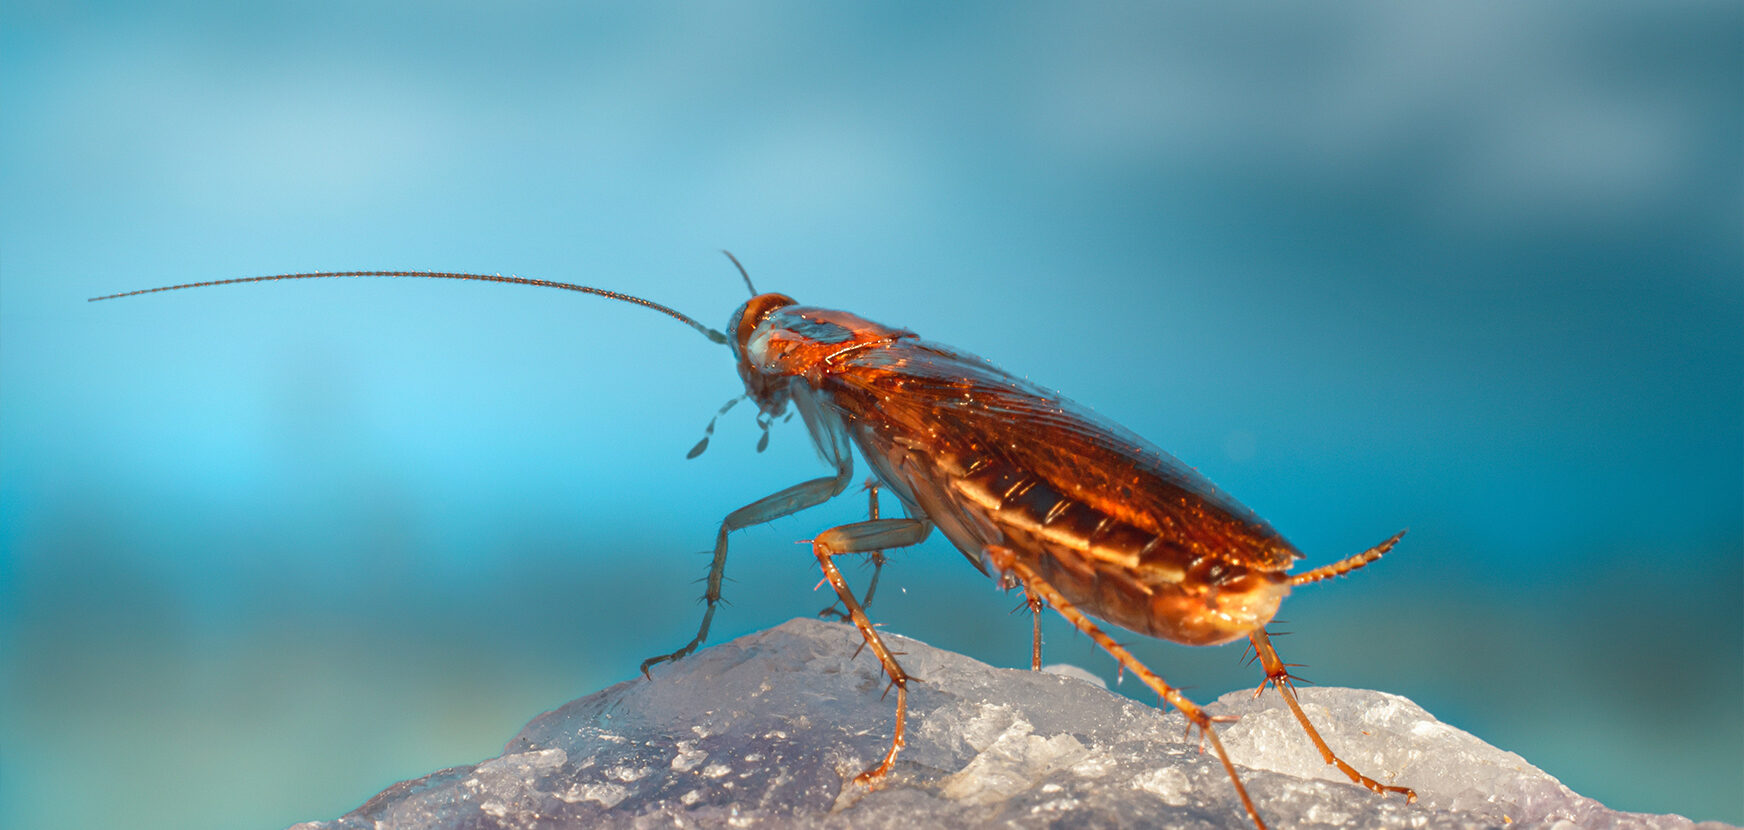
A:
(441, 275)
(741, 271)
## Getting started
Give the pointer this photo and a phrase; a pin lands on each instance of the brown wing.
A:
(958, 406)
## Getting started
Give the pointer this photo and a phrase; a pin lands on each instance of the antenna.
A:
(741, 271)
(446, 275)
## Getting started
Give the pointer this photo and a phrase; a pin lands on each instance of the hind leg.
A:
(1278, 674)
(1008, 562)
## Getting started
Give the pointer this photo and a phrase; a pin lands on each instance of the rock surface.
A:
(770, 729)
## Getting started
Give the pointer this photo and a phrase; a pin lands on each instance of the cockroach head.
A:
(770, 393)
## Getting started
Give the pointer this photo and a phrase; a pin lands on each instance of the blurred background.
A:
(1472, 269)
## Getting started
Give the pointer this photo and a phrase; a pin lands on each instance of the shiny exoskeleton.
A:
(1113, 523)
(1083, 515)
(1080, 512)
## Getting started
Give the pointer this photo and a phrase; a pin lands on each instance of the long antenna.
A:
(442, 275)
(741, 271)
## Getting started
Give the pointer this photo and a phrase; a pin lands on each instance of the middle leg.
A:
(860, 537)
(876, 557)
(1034, 604)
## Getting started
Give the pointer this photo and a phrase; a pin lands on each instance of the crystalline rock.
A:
(769, 731)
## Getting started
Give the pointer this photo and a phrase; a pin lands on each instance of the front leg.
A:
(767, 509)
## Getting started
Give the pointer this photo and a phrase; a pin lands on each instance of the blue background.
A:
(1473, 269)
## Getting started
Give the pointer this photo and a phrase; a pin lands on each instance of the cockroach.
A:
(1034, 490)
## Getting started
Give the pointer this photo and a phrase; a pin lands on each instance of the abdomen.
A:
(1109, 567)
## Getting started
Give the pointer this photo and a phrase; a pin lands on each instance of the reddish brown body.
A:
(1122, 529)
(1085, 516)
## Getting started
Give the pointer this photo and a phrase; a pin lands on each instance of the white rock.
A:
(769, 731)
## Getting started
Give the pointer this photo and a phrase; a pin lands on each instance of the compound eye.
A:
(733, 327)
(749, 315)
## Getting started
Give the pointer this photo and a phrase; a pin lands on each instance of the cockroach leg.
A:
(1034, 605)
(1278, 674)
(769, 508)
(876, 557)
(1008, 562)
(860, 537)
(1035, 614)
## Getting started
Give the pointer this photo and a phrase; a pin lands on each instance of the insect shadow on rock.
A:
(1033, 489)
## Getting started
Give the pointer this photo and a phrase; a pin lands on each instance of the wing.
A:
(956, 408)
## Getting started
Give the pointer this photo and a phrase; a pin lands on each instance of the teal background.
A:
(1474, 269)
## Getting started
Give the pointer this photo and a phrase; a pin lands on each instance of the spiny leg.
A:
(859, 538)
(1006, 561)
(877, 558)
(769, 508)
(1278, 674)
(1034, 603)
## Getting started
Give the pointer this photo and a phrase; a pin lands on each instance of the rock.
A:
(770, 730)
